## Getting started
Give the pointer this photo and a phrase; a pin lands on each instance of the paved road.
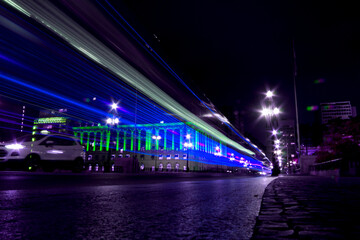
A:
(305, 207)
(106, 206)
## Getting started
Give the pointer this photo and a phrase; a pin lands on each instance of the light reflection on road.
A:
(213, 209)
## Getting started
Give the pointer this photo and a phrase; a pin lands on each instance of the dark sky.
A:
(235, 50)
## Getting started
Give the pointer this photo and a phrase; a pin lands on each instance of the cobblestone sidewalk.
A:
(306, 207)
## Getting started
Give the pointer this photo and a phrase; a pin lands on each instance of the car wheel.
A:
(32, 163)
(78, 165)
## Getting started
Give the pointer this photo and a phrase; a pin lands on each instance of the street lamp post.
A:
(188, 145)
(296, 104)
(157, 139)
(110, 122)
(270, 112)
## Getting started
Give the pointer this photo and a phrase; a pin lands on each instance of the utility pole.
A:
(296, 104)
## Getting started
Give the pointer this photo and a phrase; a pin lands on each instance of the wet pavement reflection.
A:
(191, 209)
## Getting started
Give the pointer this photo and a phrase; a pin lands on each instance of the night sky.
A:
(235, 50)
(229, 52)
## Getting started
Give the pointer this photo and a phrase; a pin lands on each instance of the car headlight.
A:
(15, 146)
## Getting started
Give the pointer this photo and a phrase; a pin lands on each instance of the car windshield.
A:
(29, 138)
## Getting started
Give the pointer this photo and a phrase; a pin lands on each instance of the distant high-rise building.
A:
(334, 110)
(54, 121)
(16, 119)
(287, 136)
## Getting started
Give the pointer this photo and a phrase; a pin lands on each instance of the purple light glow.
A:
(320, 80)
(312, 108)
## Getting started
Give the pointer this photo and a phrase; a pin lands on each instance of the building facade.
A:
(162, 147)
(287, 143)
(333, 110)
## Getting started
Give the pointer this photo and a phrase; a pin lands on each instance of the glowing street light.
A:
(188, 145)
(266, 112)
(269, 94)
(157, 139)
(276, 111)
(112, 121)
(217, 151)
(269, 112)
(114, 106)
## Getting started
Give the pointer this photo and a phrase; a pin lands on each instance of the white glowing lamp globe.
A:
(189, 145)
(269, 94)
(156, 137)
(276, 111)
(266, 112)
(114, 106)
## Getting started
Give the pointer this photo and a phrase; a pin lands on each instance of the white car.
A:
(48, 151)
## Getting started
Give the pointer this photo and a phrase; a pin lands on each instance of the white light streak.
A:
(90, 46)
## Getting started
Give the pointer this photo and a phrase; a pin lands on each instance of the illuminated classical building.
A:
(164, 146)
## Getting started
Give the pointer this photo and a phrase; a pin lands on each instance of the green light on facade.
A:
(139, 143)
(108, 141)
(132, 142)
(50, 120)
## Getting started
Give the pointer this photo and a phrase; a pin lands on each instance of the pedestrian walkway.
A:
(307, 207)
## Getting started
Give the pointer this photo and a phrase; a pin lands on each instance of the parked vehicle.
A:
(46, 151)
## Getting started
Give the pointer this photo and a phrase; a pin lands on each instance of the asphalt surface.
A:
(307, 207)
(115, 206)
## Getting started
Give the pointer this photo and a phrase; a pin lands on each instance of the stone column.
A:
(173, 141)
(81, 137)
(157, 141)
(117, 140)
(165, 133)
(139, 140)
(124, 140)
(148, 140)
(88, 141)
(196, 143)
(181, 139)
(108, 139)
(94, 143)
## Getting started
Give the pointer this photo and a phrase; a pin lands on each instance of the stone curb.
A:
(307, 208)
